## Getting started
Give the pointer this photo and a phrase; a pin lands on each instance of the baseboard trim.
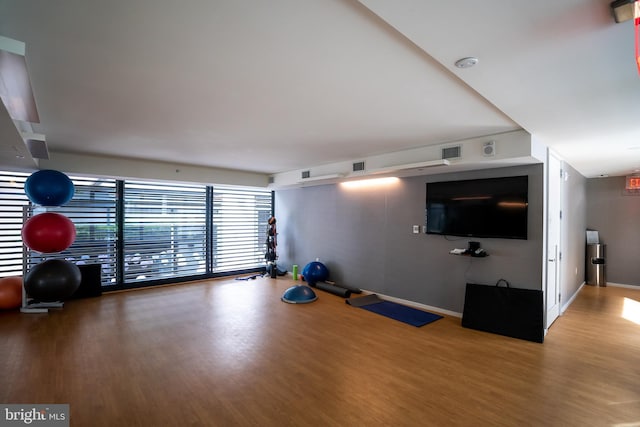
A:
(622, 285)
(573, 297)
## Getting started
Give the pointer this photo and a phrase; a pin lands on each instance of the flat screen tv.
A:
(493, 207)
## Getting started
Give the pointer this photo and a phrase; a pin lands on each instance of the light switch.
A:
(416, 229)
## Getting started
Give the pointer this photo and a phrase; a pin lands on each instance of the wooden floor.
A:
(230, 353)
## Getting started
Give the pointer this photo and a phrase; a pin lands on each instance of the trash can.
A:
(596, 264)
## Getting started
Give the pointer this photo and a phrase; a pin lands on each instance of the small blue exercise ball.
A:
(299, 294)
(315, 272)
(49, 188)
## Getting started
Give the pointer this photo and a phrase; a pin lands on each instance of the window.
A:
(12, 201)
(164, 231)
(239, 228)
(93, 212)
(144, 233)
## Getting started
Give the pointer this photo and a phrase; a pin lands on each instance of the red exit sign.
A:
(633, 183)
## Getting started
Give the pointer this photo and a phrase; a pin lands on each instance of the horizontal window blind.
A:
(169, 230)
(93, 213)
(164, 231)
(12, 201)
(239, 228)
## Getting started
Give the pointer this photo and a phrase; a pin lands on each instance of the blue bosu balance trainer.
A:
(299, 294)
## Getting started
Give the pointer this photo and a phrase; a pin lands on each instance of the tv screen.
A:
(493, 207)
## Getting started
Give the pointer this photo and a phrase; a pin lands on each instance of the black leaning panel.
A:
(516, 313)
(91, 283)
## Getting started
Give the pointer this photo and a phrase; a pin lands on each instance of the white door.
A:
(554, 227)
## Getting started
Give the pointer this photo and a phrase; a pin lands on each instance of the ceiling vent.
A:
(358, 167)
(36, 144)
(454, 152)
(306, 174)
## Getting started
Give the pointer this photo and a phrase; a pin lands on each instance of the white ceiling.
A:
(287, 84)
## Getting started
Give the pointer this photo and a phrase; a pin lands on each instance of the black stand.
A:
(271, 256)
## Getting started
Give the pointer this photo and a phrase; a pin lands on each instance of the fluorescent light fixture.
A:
(368, 183)
(408, 166)
(15, 86)
(321, 178)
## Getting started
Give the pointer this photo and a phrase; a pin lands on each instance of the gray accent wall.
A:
(574, 224)
(615, 214)
(365, 237)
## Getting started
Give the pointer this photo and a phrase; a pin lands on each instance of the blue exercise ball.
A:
(315, 272)
(52, 280)
(49, 188)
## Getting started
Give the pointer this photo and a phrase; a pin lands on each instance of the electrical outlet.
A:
(416, 229)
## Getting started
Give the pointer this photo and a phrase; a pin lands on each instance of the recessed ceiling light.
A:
(467, 62)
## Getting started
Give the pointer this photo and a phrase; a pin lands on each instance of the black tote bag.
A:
(503, 310)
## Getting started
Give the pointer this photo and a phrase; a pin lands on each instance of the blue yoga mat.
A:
(402, 313)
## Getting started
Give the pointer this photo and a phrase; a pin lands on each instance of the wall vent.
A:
(454, 152)
(358, 166)
(306, 174)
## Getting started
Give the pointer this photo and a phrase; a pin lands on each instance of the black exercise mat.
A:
(366, 300)
(402, 313)
(516, 313)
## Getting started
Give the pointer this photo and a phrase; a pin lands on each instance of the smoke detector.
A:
(467, 62)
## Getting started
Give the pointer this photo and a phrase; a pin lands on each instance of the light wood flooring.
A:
(230, 353)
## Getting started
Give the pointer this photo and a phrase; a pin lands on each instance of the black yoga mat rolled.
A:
(336, 290)
(340, 285)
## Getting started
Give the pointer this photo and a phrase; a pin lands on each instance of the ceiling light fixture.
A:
(467, 62)
(15, 86)
(624, 10)
(372, 182)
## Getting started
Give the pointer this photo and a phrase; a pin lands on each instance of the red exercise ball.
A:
(10, 292)
(48, 232)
